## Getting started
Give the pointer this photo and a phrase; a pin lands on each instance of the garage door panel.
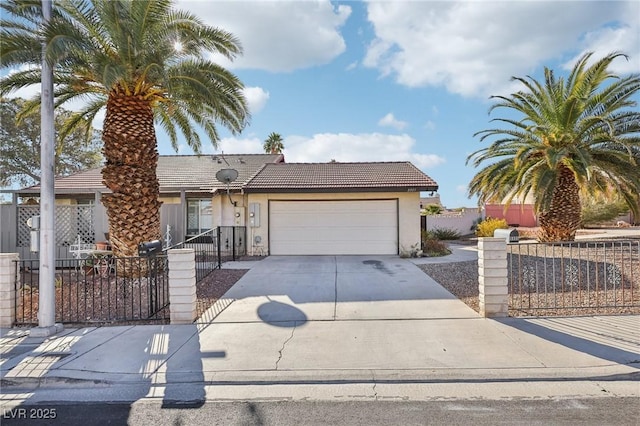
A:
(333, 227)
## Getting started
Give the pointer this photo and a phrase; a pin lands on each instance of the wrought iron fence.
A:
(214, 246)
(207, 251)
(98, 289)
(574, 277)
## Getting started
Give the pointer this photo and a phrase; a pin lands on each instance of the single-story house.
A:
(287, 208)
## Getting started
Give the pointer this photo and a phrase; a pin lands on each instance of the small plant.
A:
(415, 251)
(432, 209)
(487, 227)
(445, 234)
(433, 248)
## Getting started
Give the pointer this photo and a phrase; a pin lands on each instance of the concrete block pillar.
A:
(182, 285)
(8, 289)
(492, 277)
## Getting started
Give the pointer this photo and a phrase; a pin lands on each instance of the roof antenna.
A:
(225, 160)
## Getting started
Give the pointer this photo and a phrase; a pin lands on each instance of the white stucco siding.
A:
(405, 221)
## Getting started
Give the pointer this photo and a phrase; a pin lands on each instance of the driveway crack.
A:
(295, 324)
(375, 392)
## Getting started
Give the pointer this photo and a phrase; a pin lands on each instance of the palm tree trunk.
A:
(130, 151)
(563, 218)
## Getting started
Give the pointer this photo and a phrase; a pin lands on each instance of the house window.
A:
(199, 216)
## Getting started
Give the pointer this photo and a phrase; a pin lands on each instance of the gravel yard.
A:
(214, 286)
(567, 281)
(102, 300)
(459, 278)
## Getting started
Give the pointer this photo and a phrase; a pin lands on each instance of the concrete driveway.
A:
(323, 288)
(336, 313)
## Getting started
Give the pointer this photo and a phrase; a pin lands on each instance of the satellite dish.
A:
(227, 175)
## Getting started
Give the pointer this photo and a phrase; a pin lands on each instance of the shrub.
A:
(432, 248)
(445, 234)
(593, 213)
(487, 227)
(426, 235)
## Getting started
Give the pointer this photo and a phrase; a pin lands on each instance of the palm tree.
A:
(146, 62)
(573, 135)
(273, 144)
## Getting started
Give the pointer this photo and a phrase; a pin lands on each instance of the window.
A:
(199, 216)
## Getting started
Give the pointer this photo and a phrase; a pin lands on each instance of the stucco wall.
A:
(408, 212)
(460, 221)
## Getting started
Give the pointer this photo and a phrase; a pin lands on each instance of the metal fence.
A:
(215, 246)
(98, 289)
(574, 277)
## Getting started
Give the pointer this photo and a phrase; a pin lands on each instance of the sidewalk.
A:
(329, 328)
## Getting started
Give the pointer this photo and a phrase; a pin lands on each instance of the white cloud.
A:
(277, 36)
(352, 66)
(390, 120)
(323, 147)
(256, 97)
(623, 37)
(626, 40)
(430, 125)
(472, 48)
(357, 147)
(462, 188)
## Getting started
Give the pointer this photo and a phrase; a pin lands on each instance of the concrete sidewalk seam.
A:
(515, 342)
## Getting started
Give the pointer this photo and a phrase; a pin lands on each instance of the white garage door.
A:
(333, 227)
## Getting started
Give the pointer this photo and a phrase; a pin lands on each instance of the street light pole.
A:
(46, 301)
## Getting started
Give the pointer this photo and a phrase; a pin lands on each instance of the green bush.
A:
(445, 233)
(593, 212)
(487, 227)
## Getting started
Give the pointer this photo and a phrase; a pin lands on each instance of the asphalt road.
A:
(593, 411)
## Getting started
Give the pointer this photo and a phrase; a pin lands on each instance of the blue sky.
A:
(400, 80)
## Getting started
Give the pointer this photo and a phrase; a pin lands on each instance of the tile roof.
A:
(321, 177)
(175, 172)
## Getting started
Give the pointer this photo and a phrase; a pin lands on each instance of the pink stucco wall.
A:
(515, 214)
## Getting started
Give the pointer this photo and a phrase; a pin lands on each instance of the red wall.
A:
(516, 214)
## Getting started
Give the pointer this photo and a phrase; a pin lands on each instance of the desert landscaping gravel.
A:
(461, 280)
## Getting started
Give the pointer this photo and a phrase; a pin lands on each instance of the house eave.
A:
(427, 188)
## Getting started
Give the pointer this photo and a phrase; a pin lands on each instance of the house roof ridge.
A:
(347, 162)
(257, 172)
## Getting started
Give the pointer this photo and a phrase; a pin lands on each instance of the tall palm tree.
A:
(273, 144)
(569, 135)
(146, 62)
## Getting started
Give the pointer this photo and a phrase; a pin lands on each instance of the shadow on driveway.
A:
(613, 338)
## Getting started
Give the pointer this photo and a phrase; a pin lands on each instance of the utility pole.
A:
(47, 300)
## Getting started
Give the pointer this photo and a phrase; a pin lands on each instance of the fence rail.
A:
(574, 277)
(215, 246)
(98, 289)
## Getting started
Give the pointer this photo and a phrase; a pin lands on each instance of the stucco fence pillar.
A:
(492, 277)
(182, 285)
(8, 289)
